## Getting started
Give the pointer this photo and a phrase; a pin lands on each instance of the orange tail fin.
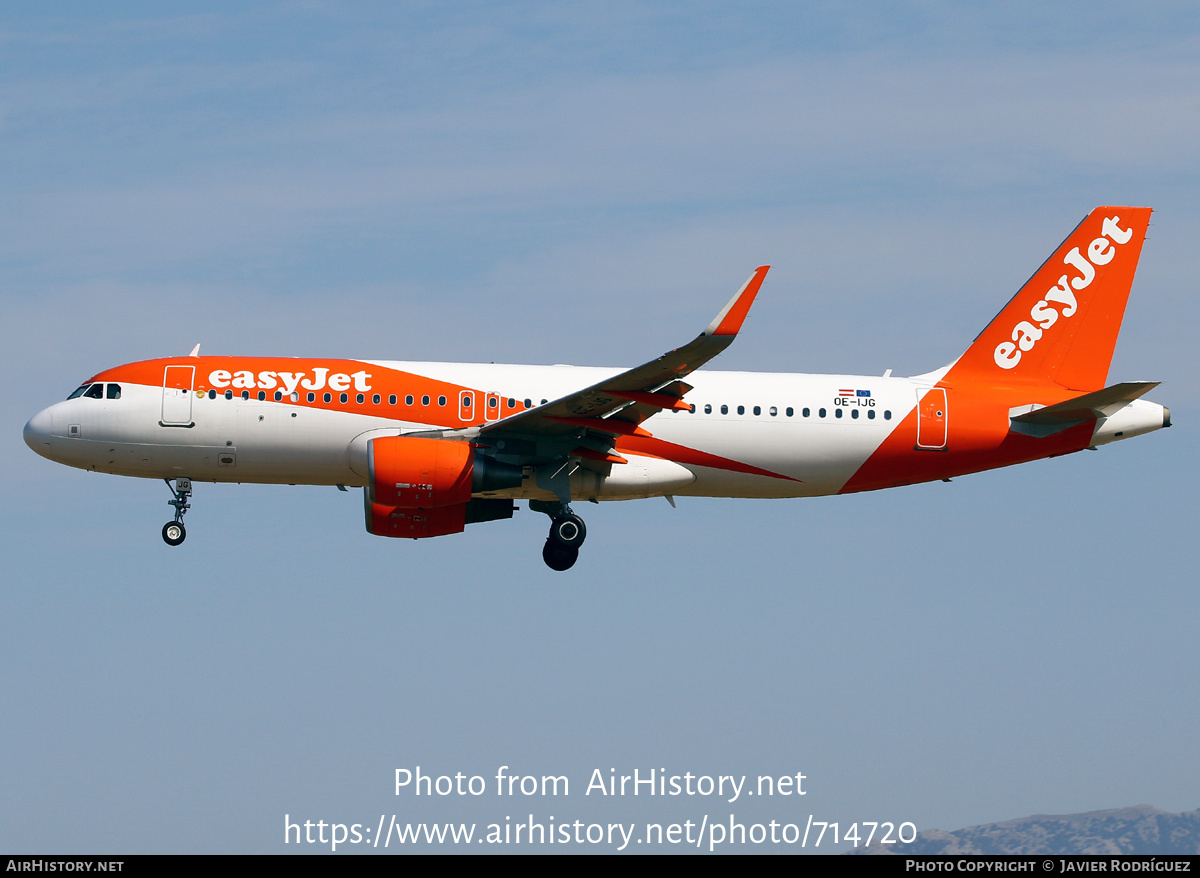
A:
(1062, 325)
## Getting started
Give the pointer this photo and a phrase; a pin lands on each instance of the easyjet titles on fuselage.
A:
(269, 380)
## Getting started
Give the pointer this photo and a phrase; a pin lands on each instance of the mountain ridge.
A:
(1139, 829)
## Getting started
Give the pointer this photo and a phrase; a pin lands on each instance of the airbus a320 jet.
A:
(438, 446)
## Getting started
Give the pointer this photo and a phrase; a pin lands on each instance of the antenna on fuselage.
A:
(195, 351)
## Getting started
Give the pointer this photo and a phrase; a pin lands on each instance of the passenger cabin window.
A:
(113, 391)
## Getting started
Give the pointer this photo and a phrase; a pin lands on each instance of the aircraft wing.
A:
(614, 407)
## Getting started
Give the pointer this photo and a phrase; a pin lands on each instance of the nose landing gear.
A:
(173, 532)
(567, 533)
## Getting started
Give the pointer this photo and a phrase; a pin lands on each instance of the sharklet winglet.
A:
(729, 321)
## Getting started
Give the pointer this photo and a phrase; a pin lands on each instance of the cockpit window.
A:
(113, 391)
(96, 391)
(79, 391)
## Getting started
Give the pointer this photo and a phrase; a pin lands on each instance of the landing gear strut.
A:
(173, 532)
(567, 533)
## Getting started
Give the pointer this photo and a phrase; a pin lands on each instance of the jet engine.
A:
(422, 487)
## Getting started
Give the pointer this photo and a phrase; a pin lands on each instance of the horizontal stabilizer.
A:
(1089, 407)
(1040, 421)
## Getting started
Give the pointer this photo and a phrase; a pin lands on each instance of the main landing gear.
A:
(567, 533)
(173, 532)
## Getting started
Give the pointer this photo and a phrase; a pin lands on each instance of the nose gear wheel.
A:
(173, 532)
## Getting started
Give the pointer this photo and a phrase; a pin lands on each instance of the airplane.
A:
(438, 446)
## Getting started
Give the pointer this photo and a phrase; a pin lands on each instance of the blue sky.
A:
(587, 183)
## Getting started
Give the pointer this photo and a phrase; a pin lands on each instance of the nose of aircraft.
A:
(37, 432)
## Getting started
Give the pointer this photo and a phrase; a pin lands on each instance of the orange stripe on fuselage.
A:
(287, 374)
(979, 438)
